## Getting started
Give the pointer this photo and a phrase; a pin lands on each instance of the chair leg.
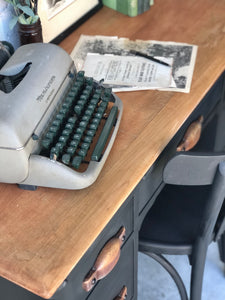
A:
(173, 273)
(221, 247)
(197, 272)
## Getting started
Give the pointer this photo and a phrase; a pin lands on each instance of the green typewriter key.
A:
(63, 139)
(88, 139)
(96, 95)
(101, 110)
(74, 143)
(90, 133)
(80, 74)
(77, 136)
(66, 132)
(53, 129)
(66, 158)
(71, 150)
(93, 126)
(82, 152)
(91, 107)
(94, 101)
(72, 147)
(89, 83)
(78, 109)
(59, 117)
(69, 100)
(103, 105)
(74, 90)
(80, 80)
(83, 124)
(87, 92)
(98, 115)
(77, 160)
(63, 111)
(56, 123)
(66, 105)
(107, 91)
(72, 120)
(98, 90)
(81, 103)
(54, 153)
(106, 98)
(85, 146)
(89, 80)
(50, 135)
(95, 121)
(80, 130)
(86, 118)
(78, 85)
(74, 86)
(69, 126)
(88, 112)
(72, 94)
(84, 98)
(60, 145)
(46, 143)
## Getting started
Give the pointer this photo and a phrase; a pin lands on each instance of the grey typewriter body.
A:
(26, 112)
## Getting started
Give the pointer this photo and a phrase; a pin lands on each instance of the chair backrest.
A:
(196, 169)
(192, 168)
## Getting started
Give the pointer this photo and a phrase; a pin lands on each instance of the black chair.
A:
(187, 215)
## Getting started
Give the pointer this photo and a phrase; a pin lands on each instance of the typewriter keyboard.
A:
(80, 128)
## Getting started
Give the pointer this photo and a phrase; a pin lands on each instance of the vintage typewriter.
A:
(57, 126)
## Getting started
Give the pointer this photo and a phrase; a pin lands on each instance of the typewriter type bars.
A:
(79, 130)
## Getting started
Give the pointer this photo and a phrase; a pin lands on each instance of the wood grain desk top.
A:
(43, 234)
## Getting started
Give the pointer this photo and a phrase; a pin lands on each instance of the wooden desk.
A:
(44, 234)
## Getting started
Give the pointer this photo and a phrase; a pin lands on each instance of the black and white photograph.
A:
(183, 56)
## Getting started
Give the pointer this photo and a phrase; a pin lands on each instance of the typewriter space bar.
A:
(96, 155)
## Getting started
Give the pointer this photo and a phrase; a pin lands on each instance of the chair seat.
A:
(173, 222)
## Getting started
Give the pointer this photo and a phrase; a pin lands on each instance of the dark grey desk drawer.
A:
(209, 107)
(122, 275)
(73, 285)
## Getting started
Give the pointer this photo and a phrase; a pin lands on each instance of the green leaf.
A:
(32, 20)
(35, 18)
(22, 19)
(27, 10)
(29, 20)
(13, 22)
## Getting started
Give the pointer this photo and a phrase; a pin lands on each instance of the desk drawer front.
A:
(73, 288)
(122, 275)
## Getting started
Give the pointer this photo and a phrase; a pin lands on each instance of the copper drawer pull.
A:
(122, 295)
(191, 136)
(106, 260)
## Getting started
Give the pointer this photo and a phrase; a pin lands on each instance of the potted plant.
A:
(29, 24)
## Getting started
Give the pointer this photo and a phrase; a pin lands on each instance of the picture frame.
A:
(60, 17)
